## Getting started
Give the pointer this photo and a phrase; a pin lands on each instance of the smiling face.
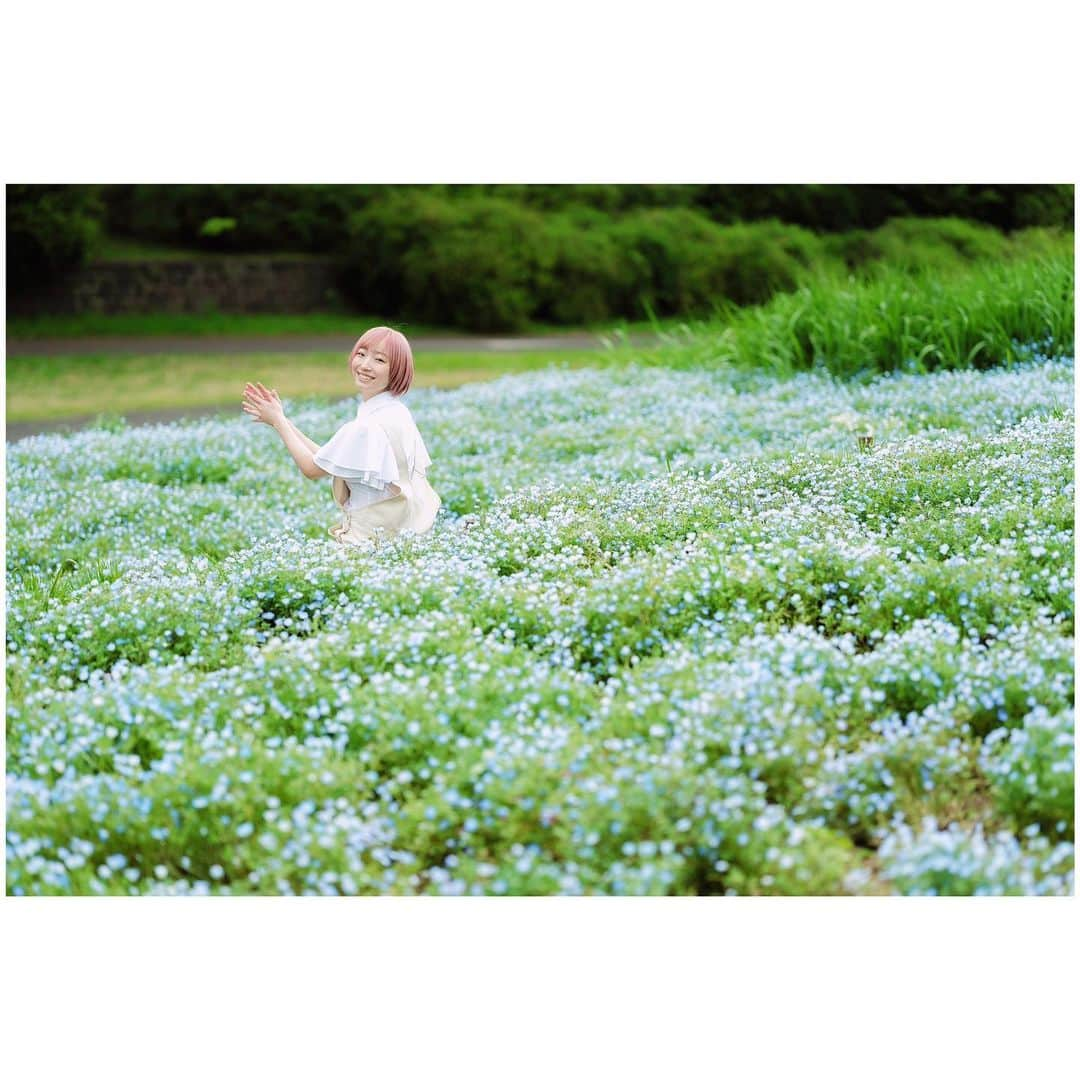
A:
(370, 369)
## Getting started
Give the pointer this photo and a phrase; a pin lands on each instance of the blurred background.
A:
(484, 257)
(275, 281)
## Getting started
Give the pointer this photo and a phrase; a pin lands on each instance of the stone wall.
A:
(226, 283)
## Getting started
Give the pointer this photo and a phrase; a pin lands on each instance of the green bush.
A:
(484, 263)
(666, 256)
(472, 263)
(684, 264)
(480, 271)
(761, 259)
(588, 279)
(51, 229)
(1040, 240)
(376, 238)
(915, 243)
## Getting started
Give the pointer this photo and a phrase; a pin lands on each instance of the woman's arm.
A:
(309, 443)
(265, 407)
(302, 449)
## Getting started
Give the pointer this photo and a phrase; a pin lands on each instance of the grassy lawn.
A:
(55, 388)
(345, 323)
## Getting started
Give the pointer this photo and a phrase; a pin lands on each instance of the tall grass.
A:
(68, 578)
(894, 320)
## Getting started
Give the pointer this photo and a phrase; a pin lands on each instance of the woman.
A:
(377, 462)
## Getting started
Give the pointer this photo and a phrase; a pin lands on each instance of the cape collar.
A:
(379, 401)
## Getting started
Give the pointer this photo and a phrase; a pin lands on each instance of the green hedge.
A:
(489, 264)
(485, 263)
(586, 275)
(914, 243)
(470, 263)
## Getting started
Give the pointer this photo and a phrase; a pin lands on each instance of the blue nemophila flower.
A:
(740, 676)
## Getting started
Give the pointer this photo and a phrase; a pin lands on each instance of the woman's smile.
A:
(371, 370)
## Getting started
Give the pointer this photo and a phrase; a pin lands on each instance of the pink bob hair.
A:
(398, 353)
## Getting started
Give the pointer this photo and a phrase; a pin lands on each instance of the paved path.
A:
(279, 343)
(297, 343)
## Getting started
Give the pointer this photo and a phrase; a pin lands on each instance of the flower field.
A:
(673, 633)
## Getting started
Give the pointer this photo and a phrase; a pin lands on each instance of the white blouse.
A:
(362, 454)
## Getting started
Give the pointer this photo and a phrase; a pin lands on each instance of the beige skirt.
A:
(414, 509)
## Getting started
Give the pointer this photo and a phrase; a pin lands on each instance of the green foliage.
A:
(898, 320)
(489, 257)
(268, 217)
(51, 230)
(479, 270)
(588, 278)
(484, 263)
(1031, 769)
(216, 226)
(920, 243)
(41, 588)
(674, 259)
(108, 421)
(376, 238)
(471, 263)
(756, 261)
(841, 207)
(313, 217)
(1040, 240)
(1050, 205)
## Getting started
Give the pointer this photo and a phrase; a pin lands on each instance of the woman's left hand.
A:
(262, 405)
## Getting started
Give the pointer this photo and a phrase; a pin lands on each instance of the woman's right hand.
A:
(262, 405)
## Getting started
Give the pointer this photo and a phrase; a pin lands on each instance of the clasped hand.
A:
(262, 405)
